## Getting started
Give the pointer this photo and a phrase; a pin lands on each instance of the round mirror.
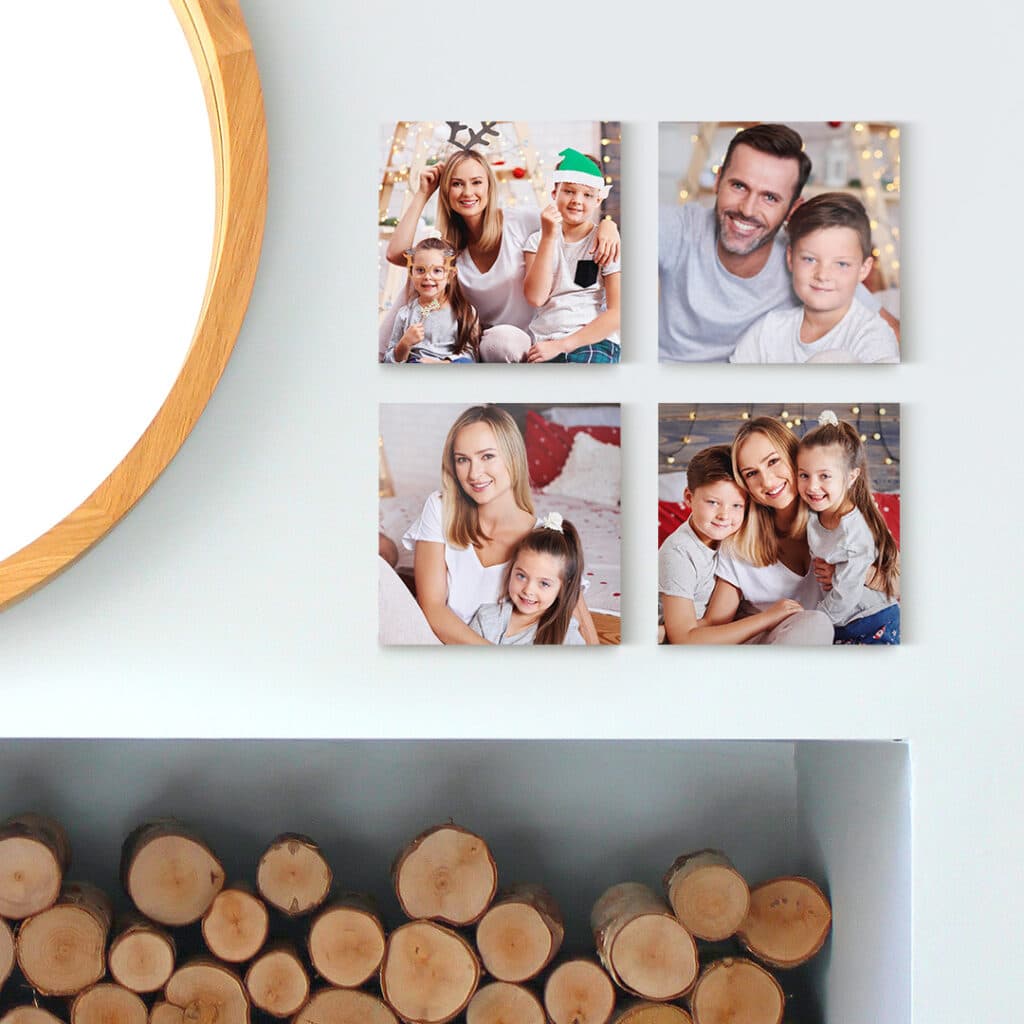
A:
(129, 251)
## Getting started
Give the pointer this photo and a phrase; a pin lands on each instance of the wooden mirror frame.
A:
(223, 54)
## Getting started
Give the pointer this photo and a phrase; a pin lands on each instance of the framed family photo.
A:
(779, 243)
(498, 242)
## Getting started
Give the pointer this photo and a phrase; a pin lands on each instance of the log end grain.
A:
(787, 923)
(429, 973)
(654, 957)
(62, 950)
(29, 1015)
(108, 1004)
(166, 1013)
(711, 899)
(173, 879)
(141, 959)
(208, 993)
(346, 945)
(653, 1013)
(501, 1002)
(30, 876)
(514, 942)
(293, 875)
(6, 951)
(344, 1006)
(235, 925)
(278, 983)
(733, 990)
(579, 992)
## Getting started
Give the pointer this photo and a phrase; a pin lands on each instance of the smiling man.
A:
(721, 269)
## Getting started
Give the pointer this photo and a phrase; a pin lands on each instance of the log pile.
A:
(192, 950)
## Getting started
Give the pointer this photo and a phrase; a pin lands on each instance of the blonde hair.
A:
(450, 223)
(460, 512)
(757, 541)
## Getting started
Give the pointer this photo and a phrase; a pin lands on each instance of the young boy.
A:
(829, 254)
(687, 559)
(577, 320)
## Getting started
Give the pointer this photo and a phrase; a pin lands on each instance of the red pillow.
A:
(548, 444)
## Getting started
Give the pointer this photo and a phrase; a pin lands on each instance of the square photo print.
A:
(498, 242)
(779, 524)
(499, 524)
(779, 243)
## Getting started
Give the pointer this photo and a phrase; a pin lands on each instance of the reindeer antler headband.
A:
(478, 138)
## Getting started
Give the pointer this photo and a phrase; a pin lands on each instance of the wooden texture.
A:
(34, 855)
(346, 941)
(652, 1013)
(108, 1004)
(446, 874)
(224, 58)
(429, 973)
(236, 924)
(788, 921)
(141, 956)
(344, 1006)
(579, 991)
(162, 1012)
(6, 951)
(502, 1002)
(708, 895)
(736, 990)
(293, 875)
(61, 950)
(169, 872)
(29, 1015)
(277, 981)
(208, 992)
(520, 933)
(642, 944)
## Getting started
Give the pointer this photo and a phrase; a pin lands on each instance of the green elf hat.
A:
(581, 170)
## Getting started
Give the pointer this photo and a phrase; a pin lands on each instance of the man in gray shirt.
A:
(722, 269)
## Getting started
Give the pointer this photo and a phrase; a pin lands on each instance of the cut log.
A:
(520, 933)
(579, 992)
(446, 874)
(235, 925)
(787, 923)
(208, 993)
(141, 957)
(344, 1006)
(429, 973)
(34, 857)
(501, 1002)
(61, 950)
(708, 895)
(736, 990)
(642, 944)
(277, 981)
(652, 1013)
(108, 1004)
(346, 941)
(293, 874)
(29, 1015)
(6, 951)
(170, 874)
(166, 1013)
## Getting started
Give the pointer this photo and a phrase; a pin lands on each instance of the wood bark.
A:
(6, 951)
(344, 1006)
(429, 973)
(34, 857)
(346, 941)
(642, 944)
(788, 921)
(293, 874)
(520, 934)
(236, 924)
(141, 956)
(108, 1004)
(277, 981)
(579, 991)
(708, 895)
(652, 1013)
(169, 872)
(502, 1002)
(61, 950)
(737, 990)
(208, 992)
(446, 874)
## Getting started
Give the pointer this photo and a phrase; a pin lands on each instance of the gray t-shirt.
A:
(440, 332)
(850, 547)
(570, 307)
(703, 309)
(491, 620)
(686, 568)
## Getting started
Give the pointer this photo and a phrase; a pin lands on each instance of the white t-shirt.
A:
(686, 568)
(763, 585)
(862, 336)
(498, 294)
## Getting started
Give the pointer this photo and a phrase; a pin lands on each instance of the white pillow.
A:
(591, 472)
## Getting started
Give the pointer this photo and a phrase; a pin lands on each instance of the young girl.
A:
(543, 587)
(848, 532)
(437, 324)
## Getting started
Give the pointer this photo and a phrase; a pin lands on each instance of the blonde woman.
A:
(489, 242)
(465, 536)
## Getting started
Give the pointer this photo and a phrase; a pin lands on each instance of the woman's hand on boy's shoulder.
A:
(606, 243)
